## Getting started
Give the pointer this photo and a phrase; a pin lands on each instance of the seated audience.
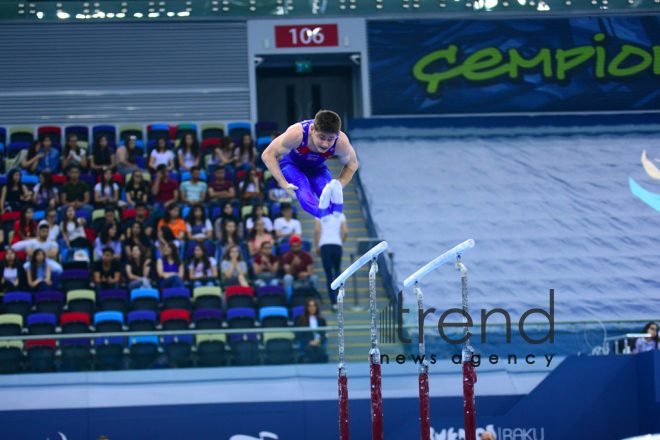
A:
(135, 236)
(125, 156)
(172, 219)
(13, 277)
(102, 156)
(14, 195)
(39, 275)
(234, 269)
(141, 216)
(44, 194)
(111, 218)
(73, 231)
(137, 190)
(257, 236)
(229, 235)
(246, 154)
(221, 189)
(193, 191)
(287, 226)
(107, 272)
(169, 267)
(277, 194)
(198, 227)
(164, 189)
(227, 214)
(251, 189)
(54, 230)
(161, 155)
(31, 160)
(51, 157)
(41, 241)
(648, 344)
(312, 343)
(189, 153)
(223, 154)
(265, 266)
(108, 239)
(165, 235)
(138, 269)
(25, 228)
(73, 154)
(203, 270)
(258, 214)
(76, 192)
(106, 191)
(298, 265)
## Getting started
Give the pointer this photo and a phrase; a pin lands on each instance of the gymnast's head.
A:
(325, 129)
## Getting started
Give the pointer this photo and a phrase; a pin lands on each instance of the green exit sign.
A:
(303, 66)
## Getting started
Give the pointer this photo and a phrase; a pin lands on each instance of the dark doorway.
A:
(287, 97)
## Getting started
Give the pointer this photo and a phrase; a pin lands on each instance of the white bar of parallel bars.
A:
(453, 253)
(364, 259)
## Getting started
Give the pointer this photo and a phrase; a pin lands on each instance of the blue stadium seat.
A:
(15, 147)
(110, 131)
(274, 316)
(238, 129)
(41, 323)
(141, 320)
(176, 298)
(81, 131)
(144, 299)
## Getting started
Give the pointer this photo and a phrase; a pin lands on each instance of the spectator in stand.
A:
(73, 231)
(25, 228)
(161, 155)
(126, 162)
(14, 195)
(169, 268)
(108, 239)
(73, 154)
(54, 230)
(298, 265)
(137, 189)
(76, 192)
(223, 155)
(102, 156)
(328, 241)
(13, 274)
(277, 194)
(251, 190)
(44, 193)
(287, 226)
(265, 266)
(203, 270)
(34, 154)
(258, 235)
(198, 227)
(193, 191)
(233, 267)
(258, 214)
(312, 342)
(51, 159)
(39, 274)
(189, 153)
(107, 272)
(221, 189)
(138, 269)
(172, 219)
(229, 235)
(136, 237)
(141, 217)
(106, 191)
(245, 154)
(111, 218)
(165, 235)
(227, 214)
(41, 242)
(164, 189)
(648, 344)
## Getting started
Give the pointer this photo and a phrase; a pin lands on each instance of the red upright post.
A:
(374, 359)
(469, 378)
(343, 408)
(424, 410)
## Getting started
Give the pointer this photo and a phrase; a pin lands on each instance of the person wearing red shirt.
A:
(25, 228)
(298, 265)
(164, 189)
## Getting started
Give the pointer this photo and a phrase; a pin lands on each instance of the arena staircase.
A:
(357, 343)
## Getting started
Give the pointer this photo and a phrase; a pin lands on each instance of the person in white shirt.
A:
(161, 155)
(287, 226)
(50, 248)
(328, 240)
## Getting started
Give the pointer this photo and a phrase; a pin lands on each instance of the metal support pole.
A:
(356, 307)
(343, 379)
(424, 409)
(469, 373)
(374, 358)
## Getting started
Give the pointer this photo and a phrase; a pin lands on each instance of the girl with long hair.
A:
(233, 267)
(312, 342)
(251, 189)
(189, 153)
(169, 267)
(203, 270)
(137, 237)
(14, 195)
(108, 238)
(245, 154)
(126, 155)
(106, 191)
(223, 154)
(137, 190)
(258, 214)
(650, 343)
(73, 230)
(44, 194)
(257, 236)
(198, 227)
(138, 268)
(25, 228)
(39, 276)
(34, 154)
(229, 234)
(161, 155)
(12, 274)
(73, 154)
(102, 156)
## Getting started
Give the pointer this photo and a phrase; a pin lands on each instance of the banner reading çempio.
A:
(539, 65)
